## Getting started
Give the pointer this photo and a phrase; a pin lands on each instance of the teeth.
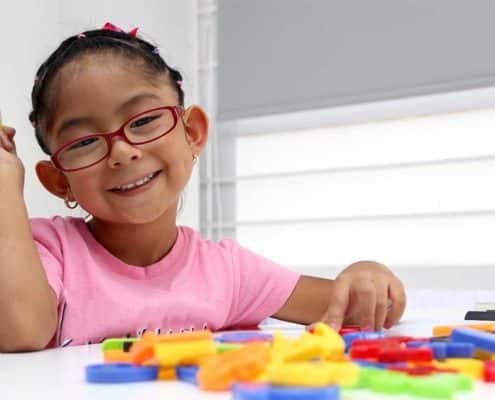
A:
(138, 183)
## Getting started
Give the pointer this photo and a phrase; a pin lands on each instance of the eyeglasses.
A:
(143, 128)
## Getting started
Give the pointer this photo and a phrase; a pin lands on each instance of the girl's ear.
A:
(196, 124)
(52, 179)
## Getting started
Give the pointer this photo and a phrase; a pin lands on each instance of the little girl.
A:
(109, 111)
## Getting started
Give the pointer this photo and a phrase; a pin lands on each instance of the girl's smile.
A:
(137, 186)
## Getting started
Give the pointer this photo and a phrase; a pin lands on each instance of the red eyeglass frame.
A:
(177, 112)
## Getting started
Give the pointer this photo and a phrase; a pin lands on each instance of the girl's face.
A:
(97, 95)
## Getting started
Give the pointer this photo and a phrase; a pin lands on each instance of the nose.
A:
(123, 153)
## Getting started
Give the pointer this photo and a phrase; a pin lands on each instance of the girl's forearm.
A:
(308, 301)
(28, 312)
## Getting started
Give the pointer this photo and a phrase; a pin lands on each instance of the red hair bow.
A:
(111, 27)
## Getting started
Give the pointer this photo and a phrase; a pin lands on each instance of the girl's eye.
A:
(143, 121)
(83, 143)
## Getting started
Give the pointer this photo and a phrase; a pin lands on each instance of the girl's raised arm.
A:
(28, 308)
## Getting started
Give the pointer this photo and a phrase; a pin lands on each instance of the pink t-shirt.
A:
(199, 284)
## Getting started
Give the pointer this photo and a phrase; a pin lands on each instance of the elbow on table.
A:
(21, 345)
(27, 336)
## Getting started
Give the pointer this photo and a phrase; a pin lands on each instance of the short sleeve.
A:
(261, 287)
(49, 248)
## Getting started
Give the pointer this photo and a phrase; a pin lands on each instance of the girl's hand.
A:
(11, 167)
(367, 294)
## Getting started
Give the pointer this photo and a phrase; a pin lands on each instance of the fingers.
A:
(369, 302)
(397, 296)
(366, 294)
(7, 138)
(5, 143)
(9, 131)
(381, 306)
(339, 300)
(364, 306)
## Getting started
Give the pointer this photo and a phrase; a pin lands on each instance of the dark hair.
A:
(91, 42)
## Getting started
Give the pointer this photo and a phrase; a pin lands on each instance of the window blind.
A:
(408, 183)
(280, 56)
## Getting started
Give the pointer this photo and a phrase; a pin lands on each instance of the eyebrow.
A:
(84, 120)
(137, 99)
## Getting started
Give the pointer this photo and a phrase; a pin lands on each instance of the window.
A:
(408, 183)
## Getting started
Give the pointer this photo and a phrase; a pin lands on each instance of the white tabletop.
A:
(59, 374)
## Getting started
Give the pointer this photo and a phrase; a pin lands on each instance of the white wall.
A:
(31, 29)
